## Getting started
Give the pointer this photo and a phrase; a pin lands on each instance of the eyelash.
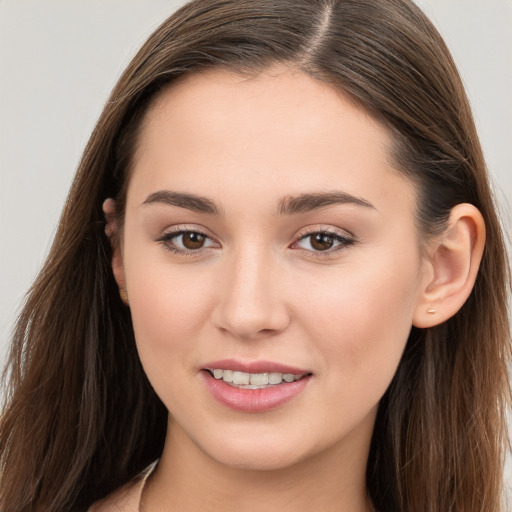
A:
(343, 242)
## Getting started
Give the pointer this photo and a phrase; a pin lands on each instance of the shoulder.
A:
(124, 499)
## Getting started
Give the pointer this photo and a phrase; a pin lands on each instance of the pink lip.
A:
(254, 400)
(253, 367)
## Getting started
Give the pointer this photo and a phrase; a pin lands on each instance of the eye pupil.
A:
(322, 241)
(193, 240)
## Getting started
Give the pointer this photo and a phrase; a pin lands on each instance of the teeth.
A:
(254, 380)
(241, 378)
(275, 378)
(258, 379)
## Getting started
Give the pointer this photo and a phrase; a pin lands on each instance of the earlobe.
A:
(454, 261)
(111, 231)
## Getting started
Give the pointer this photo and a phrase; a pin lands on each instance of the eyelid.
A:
(324, 228)
(183, 228)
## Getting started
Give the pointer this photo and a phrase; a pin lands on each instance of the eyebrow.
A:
(308, 202)
(183, 200)
(287, 205)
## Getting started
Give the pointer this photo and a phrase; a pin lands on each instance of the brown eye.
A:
(187, 242)
(192, 240)
(321, 241)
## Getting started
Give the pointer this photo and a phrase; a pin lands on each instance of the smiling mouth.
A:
(246, 380)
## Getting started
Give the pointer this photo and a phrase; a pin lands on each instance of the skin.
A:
(259, 289)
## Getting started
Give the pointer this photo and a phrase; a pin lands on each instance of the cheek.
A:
(168, 305)
(169, 309)
(362, 317)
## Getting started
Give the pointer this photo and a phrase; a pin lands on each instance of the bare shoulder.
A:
(124, 499)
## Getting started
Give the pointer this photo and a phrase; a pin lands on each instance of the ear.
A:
(452, 268)
(111, 230)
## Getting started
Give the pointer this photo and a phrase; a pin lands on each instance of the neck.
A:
(187, 479)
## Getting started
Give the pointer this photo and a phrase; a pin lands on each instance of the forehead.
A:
(278, 130)
(220, 98)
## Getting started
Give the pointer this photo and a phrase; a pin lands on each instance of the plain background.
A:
(60, 58)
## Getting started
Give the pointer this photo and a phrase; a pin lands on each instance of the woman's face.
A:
(268, 239)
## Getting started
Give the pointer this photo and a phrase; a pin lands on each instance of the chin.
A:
(258, 453)
(257, 460)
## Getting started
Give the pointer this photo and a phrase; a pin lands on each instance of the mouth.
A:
(246, 380)
(254, 387)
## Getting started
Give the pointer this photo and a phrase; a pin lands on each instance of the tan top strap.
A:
(126, 498)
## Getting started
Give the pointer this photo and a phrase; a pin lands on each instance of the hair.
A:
(81, 418)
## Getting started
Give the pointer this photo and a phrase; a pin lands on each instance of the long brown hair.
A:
(81, 417)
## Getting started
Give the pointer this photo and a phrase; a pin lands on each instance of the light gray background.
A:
(60, 58)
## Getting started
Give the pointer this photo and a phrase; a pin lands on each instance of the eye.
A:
(323, 241)
(185, 241)
(191, 240)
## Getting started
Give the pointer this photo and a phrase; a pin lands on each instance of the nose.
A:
(251, 296)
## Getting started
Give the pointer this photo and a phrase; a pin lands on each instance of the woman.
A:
(270, 277)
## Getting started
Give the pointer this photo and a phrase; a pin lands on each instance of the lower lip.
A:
(253, 400)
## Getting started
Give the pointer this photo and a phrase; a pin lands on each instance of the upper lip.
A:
(253, 366)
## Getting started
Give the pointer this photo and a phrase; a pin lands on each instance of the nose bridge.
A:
(252, 301)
